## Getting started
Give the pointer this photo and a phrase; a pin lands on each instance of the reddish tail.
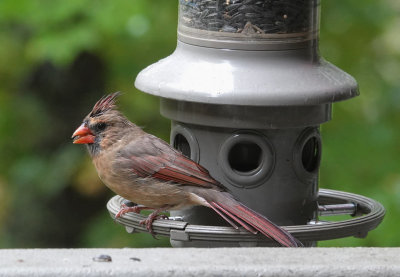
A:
(235, 212)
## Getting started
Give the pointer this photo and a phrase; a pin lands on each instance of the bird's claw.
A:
(126, 209)
(148, 222)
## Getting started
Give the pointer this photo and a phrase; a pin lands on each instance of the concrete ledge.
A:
(201, 262)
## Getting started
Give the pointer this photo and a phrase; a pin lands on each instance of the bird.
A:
(146, 170)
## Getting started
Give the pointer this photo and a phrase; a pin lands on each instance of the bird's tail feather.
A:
(235, 212)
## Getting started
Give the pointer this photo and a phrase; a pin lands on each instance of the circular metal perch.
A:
(366, 215)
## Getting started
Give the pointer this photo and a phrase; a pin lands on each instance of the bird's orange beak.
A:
(83, 135)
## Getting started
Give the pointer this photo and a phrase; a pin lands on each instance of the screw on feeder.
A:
(130, 229)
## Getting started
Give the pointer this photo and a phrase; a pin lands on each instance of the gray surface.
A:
(276, 189)
(245, 117)
(203, 262)
(253, 78)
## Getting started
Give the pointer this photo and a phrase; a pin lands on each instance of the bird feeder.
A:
(247, 91)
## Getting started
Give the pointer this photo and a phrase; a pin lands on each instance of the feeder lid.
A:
(253, 78)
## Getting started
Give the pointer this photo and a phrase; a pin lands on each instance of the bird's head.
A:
(103, 126)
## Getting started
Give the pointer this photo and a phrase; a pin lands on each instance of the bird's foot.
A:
(125, 209)
(148, 222)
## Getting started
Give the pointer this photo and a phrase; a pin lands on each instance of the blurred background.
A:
(58, 57)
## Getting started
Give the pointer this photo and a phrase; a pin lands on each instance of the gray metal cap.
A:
(255, 78)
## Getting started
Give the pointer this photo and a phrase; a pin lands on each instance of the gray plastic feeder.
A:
(246, 91)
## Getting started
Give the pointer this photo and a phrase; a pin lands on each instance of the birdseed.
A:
(249, 16)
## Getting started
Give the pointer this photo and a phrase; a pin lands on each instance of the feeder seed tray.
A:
(367, 214)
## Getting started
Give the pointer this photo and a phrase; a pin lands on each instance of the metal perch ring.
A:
(367, 213)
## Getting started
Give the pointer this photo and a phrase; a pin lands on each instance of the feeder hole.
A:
(181, 144)
(310, 154)
(244, 157)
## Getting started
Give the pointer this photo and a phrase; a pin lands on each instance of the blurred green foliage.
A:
(58, 57)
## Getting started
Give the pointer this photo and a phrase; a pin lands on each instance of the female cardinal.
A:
(148, 171)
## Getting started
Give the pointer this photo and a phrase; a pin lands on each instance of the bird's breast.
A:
(145, 191)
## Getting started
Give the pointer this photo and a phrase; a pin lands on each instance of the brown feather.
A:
(151, 157)
(245, 216)
(105, 104)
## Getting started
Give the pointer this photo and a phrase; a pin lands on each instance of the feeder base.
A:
(367, 216)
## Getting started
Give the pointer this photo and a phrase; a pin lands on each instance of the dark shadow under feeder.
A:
(247, 91)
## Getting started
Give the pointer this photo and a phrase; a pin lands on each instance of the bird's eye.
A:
(100, 126)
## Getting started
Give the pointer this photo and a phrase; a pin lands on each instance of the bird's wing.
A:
(152, 157)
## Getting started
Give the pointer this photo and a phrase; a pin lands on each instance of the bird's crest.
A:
(106, 103)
